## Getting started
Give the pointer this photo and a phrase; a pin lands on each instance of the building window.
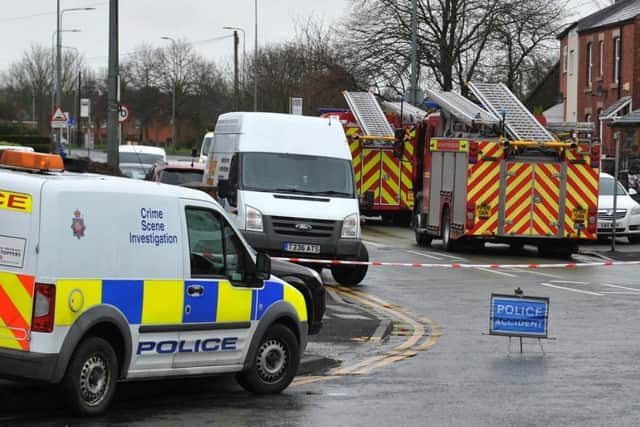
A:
(565, 59)
(587, 118)
(601, 58)
(616, 59)
(589, 63)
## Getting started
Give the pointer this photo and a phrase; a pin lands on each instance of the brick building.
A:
(600, 69)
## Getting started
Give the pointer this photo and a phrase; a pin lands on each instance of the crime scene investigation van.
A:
(288, 182)
(105, 279)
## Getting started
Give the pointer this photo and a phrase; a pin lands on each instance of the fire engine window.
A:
(205, 243)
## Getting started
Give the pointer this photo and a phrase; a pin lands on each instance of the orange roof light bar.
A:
(31, 161)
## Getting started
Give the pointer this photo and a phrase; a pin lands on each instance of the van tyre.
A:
(351, 275)
(275, 363)
(90, 380)
(423, 239)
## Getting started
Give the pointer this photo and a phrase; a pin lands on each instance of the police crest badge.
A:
(77, 224)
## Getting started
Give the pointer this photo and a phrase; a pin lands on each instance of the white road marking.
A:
(619, 293)
(501, 273)
(369, 242)
(452, 257)
(424, 254)
(532, 271)
(569, 282)
(621, 287)
(571, 289)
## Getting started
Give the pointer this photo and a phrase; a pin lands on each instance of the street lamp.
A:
(59, 17)
(255, 60)
(173, 100)
(53, 53)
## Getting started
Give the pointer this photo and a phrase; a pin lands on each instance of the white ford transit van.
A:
(288, 180)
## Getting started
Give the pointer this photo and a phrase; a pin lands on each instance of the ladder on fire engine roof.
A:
(368, 114)
(462, 108)
(518, 121)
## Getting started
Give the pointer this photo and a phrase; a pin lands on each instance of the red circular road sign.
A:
(123, 113)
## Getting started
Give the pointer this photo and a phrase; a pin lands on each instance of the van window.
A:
(295, 173)
(206, 144)
(215, 249)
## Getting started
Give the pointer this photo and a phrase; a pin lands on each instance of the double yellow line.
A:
(414, 343)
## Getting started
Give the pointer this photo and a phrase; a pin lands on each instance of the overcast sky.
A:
(25, 22)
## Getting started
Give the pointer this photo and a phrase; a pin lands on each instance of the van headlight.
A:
(351, 227)
(253, 219)
(635, 211)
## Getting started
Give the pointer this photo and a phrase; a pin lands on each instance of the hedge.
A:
(41, 144)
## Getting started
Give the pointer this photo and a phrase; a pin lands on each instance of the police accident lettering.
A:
(152, 229)
(198, 346)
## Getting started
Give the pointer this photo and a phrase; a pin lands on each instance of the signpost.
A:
(295, 106)
(123, 114)
(519, 316)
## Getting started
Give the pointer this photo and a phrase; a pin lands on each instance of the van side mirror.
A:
(223, 188)
(632, 192)
(263, 266)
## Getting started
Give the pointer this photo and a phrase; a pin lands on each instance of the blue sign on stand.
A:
(519, 316)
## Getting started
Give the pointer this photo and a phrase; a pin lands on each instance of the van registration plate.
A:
(302, 247)
(605, 225)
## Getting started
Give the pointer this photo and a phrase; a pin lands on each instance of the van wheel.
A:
(90, 381)
(351, 275)
(275, 363)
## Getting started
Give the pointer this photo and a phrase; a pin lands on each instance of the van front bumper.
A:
(274, 245)
(16, 364)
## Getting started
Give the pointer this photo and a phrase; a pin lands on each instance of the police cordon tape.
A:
(456, 265)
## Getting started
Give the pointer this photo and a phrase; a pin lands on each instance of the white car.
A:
(141, 154)
(627, 211)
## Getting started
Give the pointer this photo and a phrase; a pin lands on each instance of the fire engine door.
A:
(531, 199)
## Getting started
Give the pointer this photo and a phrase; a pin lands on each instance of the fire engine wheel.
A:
(351, 275)
(447, 243)
(423, 239)
(275, 363)
(90, 381)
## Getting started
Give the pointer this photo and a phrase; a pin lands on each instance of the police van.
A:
(105, 279)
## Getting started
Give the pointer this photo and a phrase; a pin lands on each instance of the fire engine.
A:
(383, 157)
(495, 174)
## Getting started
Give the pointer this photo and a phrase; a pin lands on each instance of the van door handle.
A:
(195, 290)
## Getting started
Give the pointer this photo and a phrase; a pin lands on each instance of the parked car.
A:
(175, 172)
(142, 154)
(137, 160)
(627, 212)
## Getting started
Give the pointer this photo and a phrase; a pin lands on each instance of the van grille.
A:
(303, 227)
(607, 214)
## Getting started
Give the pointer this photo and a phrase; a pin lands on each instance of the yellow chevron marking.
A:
(7, 339)
(490, 171)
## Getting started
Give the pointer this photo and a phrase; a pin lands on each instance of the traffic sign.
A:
(123, 113)
(58, 119)
(519, 316)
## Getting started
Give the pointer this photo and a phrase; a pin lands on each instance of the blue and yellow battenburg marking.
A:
(160, 302)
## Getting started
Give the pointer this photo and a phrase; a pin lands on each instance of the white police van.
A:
(105, 279)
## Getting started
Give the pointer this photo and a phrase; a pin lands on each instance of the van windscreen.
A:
(298, 174)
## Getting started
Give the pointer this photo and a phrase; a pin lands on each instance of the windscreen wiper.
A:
(332, 193)
(293, 190)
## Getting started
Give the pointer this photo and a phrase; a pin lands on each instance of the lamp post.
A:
(53, 60)
(60, 15)
(255, 60)
(173, 98)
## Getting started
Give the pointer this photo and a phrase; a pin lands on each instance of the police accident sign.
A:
(519, 316)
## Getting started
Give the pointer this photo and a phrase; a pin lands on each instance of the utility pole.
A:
(79, 95)
(414, 55)
(112, 88)
(236, 90)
